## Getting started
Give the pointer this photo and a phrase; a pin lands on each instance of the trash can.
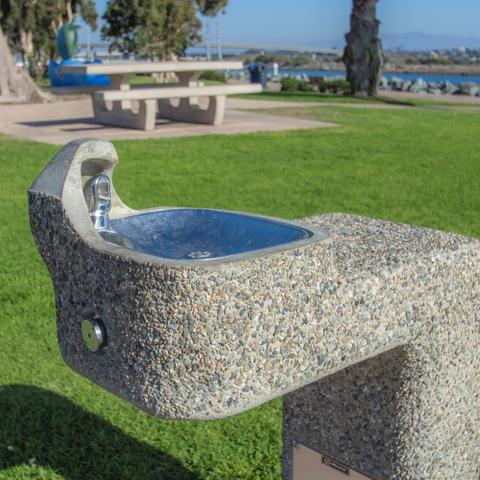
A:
(258, 74)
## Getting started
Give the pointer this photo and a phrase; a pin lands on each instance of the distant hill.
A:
(423, 41)
(412, 41)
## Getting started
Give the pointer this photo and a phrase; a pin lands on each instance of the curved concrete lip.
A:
(65, 178)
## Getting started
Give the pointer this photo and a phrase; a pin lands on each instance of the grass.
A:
(383, 98)
(308, 97)
(425, 102)
(416, 166)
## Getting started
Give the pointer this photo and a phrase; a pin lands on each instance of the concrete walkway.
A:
(63, 121)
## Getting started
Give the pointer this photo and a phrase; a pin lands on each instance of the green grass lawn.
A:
(417, 166)
(309, 97)
(334, 98)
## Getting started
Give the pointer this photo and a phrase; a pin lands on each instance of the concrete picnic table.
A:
(175, 101)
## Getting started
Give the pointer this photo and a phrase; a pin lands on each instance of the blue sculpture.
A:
(67, 38)
(67, 47)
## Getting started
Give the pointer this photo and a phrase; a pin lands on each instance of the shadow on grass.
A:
(44, 428)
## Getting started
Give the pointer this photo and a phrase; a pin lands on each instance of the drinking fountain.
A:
(370, 330)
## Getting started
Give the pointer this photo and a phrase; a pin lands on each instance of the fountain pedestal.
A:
(372, 334)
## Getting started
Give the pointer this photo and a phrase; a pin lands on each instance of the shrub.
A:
(214, 76)
(334, 86)
(291, 84)
(304, 86)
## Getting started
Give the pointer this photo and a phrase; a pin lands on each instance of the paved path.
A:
(63, 121)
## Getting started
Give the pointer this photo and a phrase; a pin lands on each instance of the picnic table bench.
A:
(137, 106)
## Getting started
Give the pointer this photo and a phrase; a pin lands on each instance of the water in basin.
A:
(188, 233)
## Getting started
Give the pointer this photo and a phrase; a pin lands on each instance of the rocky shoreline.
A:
(419, 85)
(462, 70)
(399, 84)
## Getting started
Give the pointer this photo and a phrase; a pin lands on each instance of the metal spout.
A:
(99, 201)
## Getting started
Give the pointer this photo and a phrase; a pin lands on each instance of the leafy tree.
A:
(31, 25)
(297, 60)
(363, 53)
(267, 58)
(211, 7)
(156, 28)
(122, 22)
(167, 28)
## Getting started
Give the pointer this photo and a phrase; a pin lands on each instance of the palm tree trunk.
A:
(363, 54)
(15, 87)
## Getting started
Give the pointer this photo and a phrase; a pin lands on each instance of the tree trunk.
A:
(15, 87)
(363, 53)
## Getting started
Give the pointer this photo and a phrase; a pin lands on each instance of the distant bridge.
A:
(238, 46)
(274, 48)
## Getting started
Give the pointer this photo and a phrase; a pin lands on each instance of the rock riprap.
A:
(373, 335)
(419, 85)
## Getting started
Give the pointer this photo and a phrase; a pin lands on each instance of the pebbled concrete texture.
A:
(412, 412)
(373, 334)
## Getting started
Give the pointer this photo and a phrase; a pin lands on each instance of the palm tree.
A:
(363, 53)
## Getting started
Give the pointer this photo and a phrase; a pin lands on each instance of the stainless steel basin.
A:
(190, 233)
(184, 312)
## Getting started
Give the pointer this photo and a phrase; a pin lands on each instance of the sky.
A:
(318, 22)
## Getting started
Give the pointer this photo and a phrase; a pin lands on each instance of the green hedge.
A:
(291, 84)
(334, 86)
(316, 84)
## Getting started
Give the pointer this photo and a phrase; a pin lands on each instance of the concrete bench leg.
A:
(121, 114)
(409, 414)
(189, 110)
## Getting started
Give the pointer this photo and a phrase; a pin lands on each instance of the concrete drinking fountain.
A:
(371, 330)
